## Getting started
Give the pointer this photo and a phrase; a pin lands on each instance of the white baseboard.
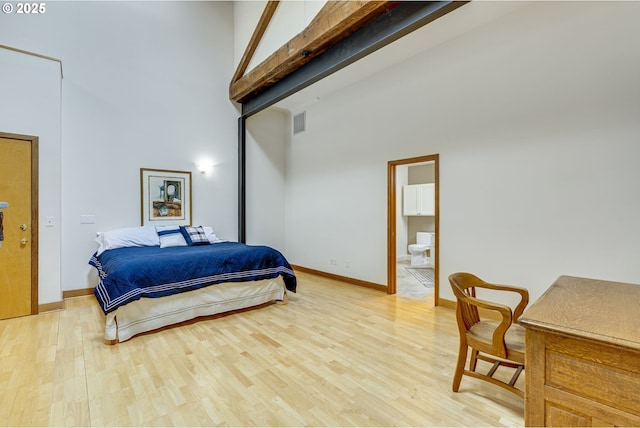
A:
(404, 258)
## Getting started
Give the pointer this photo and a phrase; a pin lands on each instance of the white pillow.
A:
(141, 236)
(211, 235)
(170, 236)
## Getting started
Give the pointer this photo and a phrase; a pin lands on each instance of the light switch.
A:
(87, 219)
(49, 222)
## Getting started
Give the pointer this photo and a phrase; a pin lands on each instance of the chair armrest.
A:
(497, 338)
(523, 292)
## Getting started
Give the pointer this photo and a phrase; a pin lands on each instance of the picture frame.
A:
(165, 197)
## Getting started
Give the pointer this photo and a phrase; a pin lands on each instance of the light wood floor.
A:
(336, 355)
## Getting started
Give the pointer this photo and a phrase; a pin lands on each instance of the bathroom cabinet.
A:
(419, 199)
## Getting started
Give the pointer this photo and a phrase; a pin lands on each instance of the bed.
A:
(147, 281)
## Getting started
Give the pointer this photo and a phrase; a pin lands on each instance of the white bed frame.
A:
(149, 314)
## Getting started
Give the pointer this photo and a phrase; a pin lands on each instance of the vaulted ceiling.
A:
(336, 21)
(342, 33)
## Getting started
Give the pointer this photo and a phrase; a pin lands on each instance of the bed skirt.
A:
(148, 314)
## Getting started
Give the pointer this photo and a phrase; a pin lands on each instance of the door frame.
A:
(391, 221)
(34, 142)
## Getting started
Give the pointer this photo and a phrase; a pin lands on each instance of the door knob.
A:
(24, 241)
(24, 227)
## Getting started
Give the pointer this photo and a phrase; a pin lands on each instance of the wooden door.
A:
(18, 254)
(392, 189)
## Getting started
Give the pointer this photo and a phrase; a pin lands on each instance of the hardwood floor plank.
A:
(336, 355)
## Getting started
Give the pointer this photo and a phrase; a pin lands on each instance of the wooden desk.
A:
(583, 354)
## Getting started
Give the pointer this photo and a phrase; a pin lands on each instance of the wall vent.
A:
(299, 122)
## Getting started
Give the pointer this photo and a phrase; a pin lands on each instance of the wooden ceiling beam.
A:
(333, 23)
(263, 23)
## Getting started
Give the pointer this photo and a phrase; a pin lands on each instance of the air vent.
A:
(299, 122)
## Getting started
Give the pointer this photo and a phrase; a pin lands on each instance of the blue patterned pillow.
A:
(194, 235)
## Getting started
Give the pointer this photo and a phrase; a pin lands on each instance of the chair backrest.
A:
(463, 285)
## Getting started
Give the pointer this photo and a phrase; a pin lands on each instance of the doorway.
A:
(19, 250)
(392, 216)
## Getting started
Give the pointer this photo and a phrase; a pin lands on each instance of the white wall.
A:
(246, 15)
(145, 85)
(30, 93)
(535, 117)
(265, 178)
(268, 132)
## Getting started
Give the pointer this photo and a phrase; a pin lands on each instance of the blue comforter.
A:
(127, 274)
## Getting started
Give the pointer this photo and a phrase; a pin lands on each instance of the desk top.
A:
(605, 311)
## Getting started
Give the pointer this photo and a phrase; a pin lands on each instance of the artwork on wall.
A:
(165, 197)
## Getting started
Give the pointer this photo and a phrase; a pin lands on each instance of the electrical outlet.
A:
(333, 262)
(87, 219)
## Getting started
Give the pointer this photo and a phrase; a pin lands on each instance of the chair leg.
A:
(462, 359)
(516, 375)
(474, 360)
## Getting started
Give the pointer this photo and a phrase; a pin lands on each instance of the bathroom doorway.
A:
(398, 236)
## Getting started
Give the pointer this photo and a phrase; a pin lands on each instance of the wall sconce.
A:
(204, 166)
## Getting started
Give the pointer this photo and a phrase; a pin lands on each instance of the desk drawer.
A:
(564, 409)
(597, 372)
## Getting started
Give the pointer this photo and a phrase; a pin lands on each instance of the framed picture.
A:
(165, 197)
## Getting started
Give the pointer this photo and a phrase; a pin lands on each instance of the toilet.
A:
(422, 254)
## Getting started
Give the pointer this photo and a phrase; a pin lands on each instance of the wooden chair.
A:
(500, 342)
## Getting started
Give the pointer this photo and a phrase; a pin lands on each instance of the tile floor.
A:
(408, 285)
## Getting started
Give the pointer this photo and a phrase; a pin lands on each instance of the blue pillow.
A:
(194, 235)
